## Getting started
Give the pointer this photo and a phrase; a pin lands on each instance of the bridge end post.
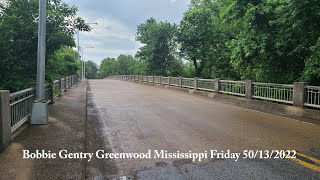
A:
(66, 84)
(195, 83)
(51, 92)
(248, 89)
(60, 90)
(5, 120)
(217, 85)
(299, 94)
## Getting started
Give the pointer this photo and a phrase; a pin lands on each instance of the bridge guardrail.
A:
(206, 84)
(174, 81)
(297, 94)
(20, 107)
(313, 96)
(156, 79)
(15, 108)
(232, 87)
(187, 82)
(273, 92)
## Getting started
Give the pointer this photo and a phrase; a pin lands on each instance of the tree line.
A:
(274, 41)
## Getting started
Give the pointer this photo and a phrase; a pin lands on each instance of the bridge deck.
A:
(138, 118)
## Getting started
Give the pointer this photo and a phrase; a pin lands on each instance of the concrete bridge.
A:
(114, 119)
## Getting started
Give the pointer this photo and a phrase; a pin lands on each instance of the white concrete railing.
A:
(20, 107)
(174, 81)
(206, 84)
(273, 92)
(15, 108)
(297, 94)
(232, 87)
(187, 82)
(313, 96)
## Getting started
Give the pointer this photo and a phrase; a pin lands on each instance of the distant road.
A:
(136, 118)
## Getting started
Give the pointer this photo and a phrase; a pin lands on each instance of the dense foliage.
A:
(123, 64)
(92, 70)
(263, 40)
(160, 47)
(19, 37)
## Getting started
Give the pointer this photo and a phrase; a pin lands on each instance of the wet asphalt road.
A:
(125, 117)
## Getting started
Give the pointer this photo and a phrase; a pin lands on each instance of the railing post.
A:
(298, 94)
(66, 84)
(249, 89)
(180, 81)
(169, 80)
(51, 92)
(195, 83)
(152, 79)
(5, 120)
(69, 82)
(160, 79)
(217, 85)
(61, 87)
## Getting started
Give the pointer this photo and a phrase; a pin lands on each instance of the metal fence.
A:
(187, 82)
(156, 79)
(21, 102)
(232, 87)
(283, 93)
(57, 88)
(165, 80)
(313, 96)
(206, 84)
(63, 84)
(144, 78)
(273, 92)
(20, 107)
(174, 81)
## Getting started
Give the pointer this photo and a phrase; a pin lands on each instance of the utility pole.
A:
(82, 63)
(39, 113)
(79, 59)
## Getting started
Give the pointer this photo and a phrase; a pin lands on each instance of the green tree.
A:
(202, 39)
(92, 70)
(125, 63)
(108, 67)
(159, 45)
(63, 62)
(19, 36)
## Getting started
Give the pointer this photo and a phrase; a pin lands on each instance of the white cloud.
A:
(109, 39)
(117, 23)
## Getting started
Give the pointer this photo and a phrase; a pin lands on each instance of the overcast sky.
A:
(117, 23)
